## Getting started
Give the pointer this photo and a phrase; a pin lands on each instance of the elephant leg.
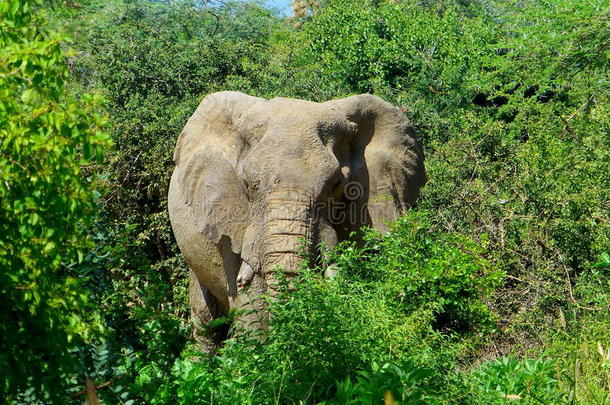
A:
(204, 309)
(250, 304)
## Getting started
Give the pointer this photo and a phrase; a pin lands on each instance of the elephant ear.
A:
(205, 178)
(394, 157)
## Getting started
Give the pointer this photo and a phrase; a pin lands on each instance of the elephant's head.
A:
(266, 175)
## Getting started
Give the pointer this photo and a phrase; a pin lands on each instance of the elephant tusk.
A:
(331, 271)
(245, 275)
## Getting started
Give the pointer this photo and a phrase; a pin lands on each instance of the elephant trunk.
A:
(287, 232)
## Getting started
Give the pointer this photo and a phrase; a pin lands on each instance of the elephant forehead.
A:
(283, 103)
(289, 155)
(312, 113)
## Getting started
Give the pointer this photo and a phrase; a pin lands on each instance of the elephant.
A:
(258, 182)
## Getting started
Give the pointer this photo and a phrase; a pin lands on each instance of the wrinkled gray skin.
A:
(254, 178)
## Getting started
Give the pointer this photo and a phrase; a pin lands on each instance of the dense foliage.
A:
(45, 203)
(494, 289)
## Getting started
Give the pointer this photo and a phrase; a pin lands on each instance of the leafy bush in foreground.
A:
(46, 200)
(328, 337)
(531, 381)
(392, 300)
(405, 383)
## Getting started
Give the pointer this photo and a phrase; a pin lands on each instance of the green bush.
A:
(392, 300)
(509, 99)
(443, 272)
(578, 337)
(46, 201)
(529, 381)
(405, 383)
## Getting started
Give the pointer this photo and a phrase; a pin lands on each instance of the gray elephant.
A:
(255, 178)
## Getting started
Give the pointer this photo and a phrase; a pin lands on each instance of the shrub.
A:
(46, 201)
(529, 381)
(405, 383)
(417, 305)
(427, 269)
